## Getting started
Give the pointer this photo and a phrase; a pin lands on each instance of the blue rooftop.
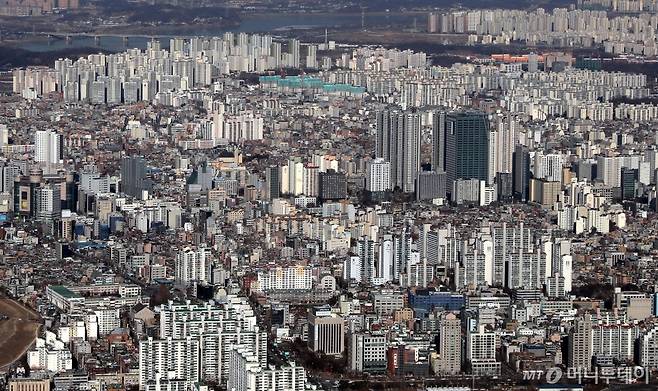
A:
(310, 82)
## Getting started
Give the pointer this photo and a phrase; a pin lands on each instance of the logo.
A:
(626, 375)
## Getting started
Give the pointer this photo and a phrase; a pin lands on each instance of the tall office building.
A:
(466, 146)
(326, 331)
(48, 202)
(544, 192)
(504, 186)
(133, 176)
(480, 344)
(47, 147)
(608, 170)
(273, 182)
(450, 345)
(521, 173)
(438, 141)
(586, 170)
(398, 142)
(367, 352)
(333, 185)
(8, 174)
(481, 352)
(430, 185)
(580, 343)
(628, 178)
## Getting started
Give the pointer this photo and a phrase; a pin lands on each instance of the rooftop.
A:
(64, 291)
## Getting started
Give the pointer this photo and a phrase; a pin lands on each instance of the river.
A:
(272, 23)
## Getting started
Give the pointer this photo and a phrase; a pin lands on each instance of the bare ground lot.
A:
(18, 332)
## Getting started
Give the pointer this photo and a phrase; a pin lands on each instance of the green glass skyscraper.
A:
(466, 146)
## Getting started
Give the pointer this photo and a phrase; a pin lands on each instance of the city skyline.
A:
(285, 210)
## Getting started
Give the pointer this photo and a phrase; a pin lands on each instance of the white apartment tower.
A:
(47, 147)
(192, 265)
(378, 178)
(398, 142)
(580, 343)
(169, 358)
(649, 348)
(247, 374)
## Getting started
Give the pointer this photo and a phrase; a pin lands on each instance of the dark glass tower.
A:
(628, 178)
(521, 173)
(333, 185)
(273, 182)
(466, 146)
(133, 176)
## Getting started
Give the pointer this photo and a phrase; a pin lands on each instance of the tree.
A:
(161, 295)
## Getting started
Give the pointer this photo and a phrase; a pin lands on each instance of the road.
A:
(101, 35)
(18, 332)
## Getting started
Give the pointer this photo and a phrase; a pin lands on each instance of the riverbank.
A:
(15, 57)
(18, 332)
